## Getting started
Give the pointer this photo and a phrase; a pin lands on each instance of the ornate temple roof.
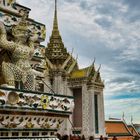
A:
(89, 73)
(57, 57)
(117, 128)
(55, 51)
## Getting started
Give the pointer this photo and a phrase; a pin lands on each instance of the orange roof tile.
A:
(118, 128)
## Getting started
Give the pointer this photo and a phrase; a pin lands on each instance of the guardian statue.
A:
(22, 50)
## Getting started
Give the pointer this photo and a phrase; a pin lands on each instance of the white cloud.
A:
(130, 107)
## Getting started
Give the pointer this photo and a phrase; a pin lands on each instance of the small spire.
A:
(56, 56)
(55, 23)
(72, 51)
(99, 68)
(77, 57)
(123, 116)
(55, 5)
(94, 61)
(131, 119)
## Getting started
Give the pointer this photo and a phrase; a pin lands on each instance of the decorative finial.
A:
(131, 119)
(99, 68)
(55, 23)
(72, 51)
(55, 5)
(123, 116)
(94, 61)
(77, 57)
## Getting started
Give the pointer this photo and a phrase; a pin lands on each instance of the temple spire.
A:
(56, 52)
(55, 22)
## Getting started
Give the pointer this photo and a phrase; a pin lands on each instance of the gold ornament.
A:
(29, 125)
(44, 101)
(13, 98)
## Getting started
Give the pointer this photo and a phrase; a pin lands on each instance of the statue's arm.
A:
(4, 43)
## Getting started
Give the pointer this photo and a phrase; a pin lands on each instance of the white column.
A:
(91, 112)
(101, 114)
(101, 120)
(85, 111)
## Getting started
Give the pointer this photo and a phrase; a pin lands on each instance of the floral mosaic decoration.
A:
(34, 101)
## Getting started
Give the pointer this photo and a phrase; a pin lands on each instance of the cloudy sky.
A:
(108, 30)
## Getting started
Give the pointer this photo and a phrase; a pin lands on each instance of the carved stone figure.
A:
(22, 49)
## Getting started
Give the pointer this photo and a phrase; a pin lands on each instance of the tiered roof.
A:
(56, 52)
(133, 130)
(57, 57)
(117, 128)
